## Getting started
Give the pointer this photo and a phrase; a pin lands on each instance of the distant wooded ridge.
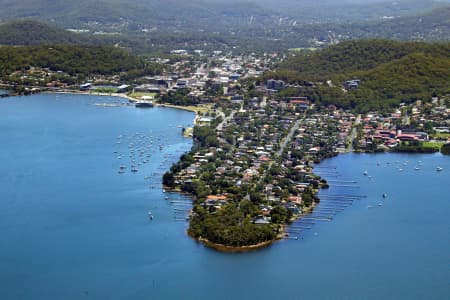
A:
(150, 26)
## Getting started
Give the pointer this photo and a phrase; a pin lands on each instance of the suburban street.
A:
(354, 133)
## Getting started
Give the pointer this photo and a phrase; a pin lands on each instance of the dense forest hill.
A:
(390, 72)
(355, 55)
(74, 60)
(31, 32)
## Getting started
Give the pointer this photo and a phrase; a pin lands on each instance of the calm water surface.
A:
(74, 228)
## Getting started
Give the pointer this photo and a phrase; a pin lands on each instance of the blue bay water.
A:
(72, 227)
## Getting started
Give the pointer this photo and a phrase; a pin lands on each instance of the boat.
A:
(143, 104)
(365, 173)
(380, 204)
(416, 168)
(384, 195)
(150, 215)
(439, 169)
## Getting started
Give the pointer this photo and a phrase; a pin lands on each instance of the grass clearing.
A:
(139, 95)
(432, 145)
(105, 90)
(441, 135)
(199, 109)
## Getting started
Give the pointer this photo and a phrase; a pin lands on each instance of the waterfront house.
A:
(261, 220)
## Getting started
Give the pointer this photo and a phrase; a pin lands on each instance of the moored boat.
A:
(143, 104)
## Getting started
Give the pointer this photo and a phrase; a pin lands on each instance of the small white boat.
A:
(416, 168)
(365, 173)
(439, 169)
(380, 204)
(384, 195)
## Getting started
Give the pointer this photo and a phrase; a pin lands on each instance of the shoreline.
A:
(125, 96)
(219, 247)
(233, 249)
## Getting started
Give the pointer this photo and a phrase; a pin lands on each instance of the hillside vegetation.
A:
(30, 32)
(390, 72)
(74, 60)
